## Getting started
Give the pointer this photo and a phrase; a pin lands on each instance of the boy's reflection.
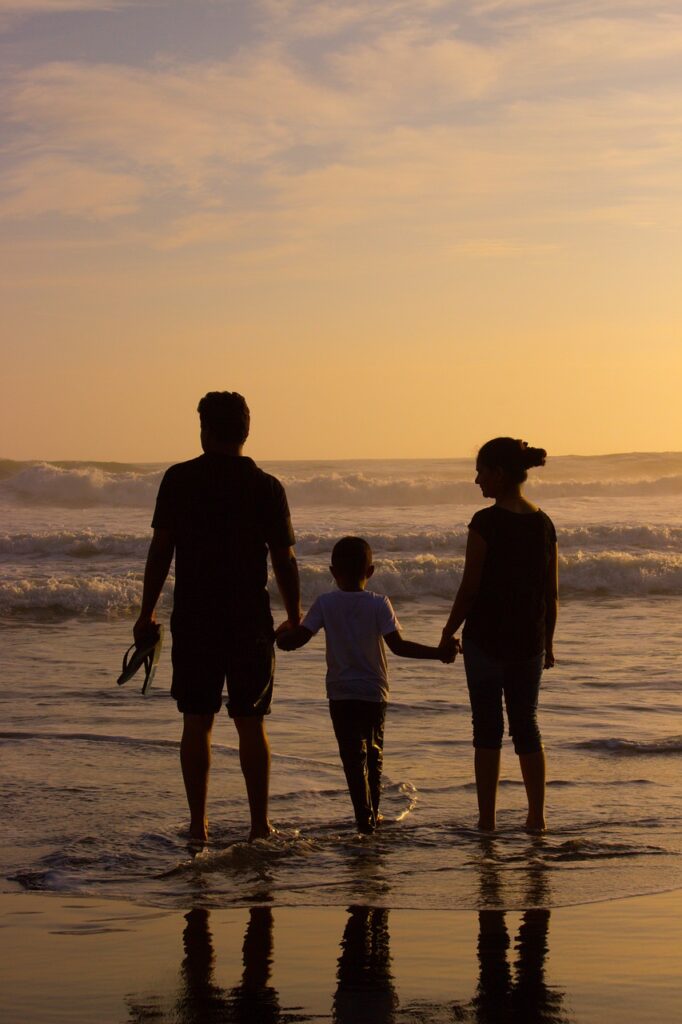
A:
(365, 993)
(521, 997)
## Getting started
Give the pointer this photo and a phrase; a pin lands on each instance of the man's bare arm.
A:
(286, 573)
(159, 560)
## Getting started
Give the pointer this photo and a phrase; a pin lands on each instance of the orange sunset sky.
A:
(397, 227)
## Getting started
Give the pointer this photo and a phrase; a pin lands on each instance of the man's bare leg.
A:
(487, 770)
(195, 759)
(254, 757)
(533, 772)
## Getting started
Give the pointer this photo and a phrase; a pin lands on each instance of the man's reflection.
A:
(365, 993)
(200, 1000)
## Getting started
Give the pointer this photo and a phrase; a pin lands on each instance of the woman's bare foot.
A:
(262, 832)
(535, 825)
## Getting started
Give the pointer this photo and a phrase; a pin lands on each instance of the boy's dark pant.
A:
(359, 729)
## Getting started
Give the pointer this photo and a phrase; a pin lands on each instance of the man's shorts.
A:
(202, 666)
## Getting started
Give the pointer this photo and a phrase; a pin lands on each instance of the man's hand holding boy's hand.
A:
(284, 638)
(448, 650)
(290, 637)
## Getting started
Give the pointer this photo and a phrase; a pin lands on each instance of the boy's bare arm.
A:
(292, 639)
(409, 649)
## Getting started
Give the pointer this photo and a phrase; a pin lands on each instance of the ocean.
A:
(91, 790)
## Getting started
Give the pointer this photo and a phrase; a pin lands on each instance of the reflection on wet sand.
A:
(365, 993)
(200, 1000)
(506, 993)
(521, 996)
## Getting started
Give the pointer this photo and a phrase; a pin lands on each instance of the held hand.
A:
(284, 627)
(549, 658)
(283, 639)
(448, 650)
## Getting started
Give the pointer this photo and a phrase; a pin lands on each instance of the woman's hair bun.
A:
(512, 455)
(532, 456)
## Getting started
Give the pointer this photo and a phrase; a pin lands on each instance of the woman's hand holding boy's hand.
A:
(448, 650)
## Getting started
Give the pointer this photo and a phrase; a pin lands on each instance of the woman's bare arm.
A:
(469, 587)
(551, 605)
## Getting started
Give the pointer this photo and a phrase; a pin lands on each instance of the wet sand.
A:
(92, 960)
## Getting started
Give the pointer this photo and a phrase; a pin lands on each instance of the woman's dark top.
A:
(507, 619)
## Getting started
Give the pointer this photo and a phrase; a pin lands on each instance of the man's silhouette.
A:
(220, 515)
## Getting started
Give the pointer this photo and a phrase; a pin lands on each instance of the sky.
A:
(398, 228)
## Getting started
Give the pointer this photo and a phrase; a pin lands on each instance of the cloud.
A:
(463, 141)
(53, 184)
(327, 18)
(18, 7)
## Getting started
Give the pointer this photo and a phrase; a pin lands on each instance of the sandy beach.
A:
(80, 959)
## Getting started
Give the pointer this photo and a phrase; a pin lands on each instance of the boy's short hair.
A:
(352, 556)
(226, 415)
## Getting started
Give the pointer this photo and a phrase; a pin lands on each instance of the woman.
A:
(508, 599)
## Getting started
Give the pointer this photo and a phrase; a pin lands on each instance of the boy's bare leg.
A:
(487, 771)
(195, 759)
(254, 757)
(533, 772)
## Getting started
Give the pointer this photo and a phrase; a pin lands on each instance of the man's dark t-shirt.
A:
(507, 619)
(224, 513)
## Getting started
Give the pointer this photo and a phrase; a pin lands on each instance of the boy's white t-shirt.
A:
(355, 623)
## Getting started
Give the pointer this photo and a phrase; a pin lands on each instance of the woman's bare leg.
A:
(533, 771)
(487, 771)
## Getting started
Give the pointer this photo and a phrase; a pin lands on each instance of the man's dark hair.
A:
(352, 556)
(226, 415)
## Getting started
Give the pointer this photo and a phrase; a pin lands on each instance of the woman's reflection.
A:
(365, 993)
(521, 996)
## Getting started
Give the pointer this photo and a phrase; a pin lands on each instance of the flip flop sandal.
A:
(146, 654)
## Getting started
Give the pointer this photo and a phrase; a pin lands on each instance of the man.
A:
(219, 514)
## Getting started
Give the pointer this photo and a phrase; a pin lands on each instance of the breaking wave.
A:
(393, 483)
(584, 542)
(412, 577)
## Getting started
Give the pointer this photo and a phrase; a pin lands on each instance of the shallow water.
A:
(92, 790)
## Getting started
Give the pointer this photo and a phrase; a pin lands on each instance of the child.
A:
(354, 621)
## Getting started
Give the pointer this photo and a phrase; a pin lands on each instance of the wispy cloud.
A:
(469, 140)
(53, 184)
(55, 6)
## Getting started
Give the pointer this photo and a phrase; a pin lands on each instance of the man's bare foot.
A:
(262, 832)
(483, 825)
(198, 832)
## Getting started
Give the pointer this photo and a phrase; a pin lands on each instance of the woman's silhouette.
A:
(508, 601)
